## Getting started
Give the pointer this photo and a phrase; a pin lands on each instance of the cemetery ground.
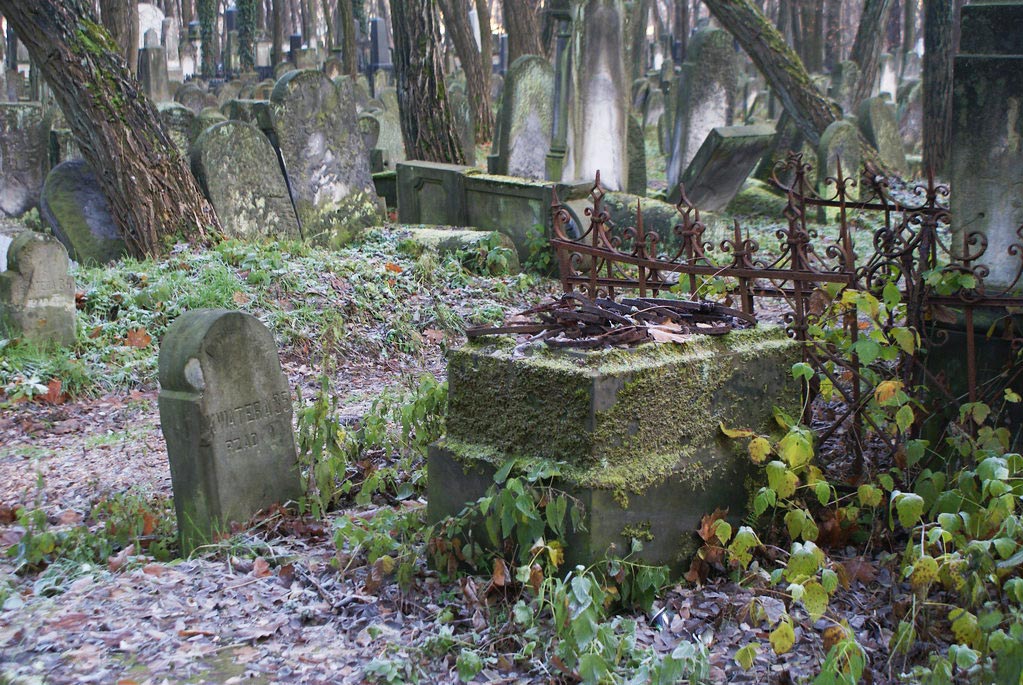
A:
(340, 588)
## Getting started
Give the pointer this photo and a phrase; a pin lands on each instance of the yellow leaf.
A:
(556, 553)
(736, 432)
(783, 637)
(886, 391)
(759, 448)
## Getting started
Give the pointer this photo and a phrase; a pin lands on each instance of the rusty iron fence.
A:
(909, 244)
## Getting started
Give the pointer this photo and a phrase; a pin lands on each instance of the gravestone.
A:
(526, 115)
(653, 108)
(705, 97)
(150, 19)
(152, 69)
(844, 79)
(600, 96)
(461, 112)
(911, 115)
(389, 141)
(369, 128)
(206, 118)
(24, 153)
(238, 170)
(79, 215)
(180, 124)
(37, 296)
(327, 166)
(887, 77)
(722, 164)
(840, 142)
(637, 158)
(876, 119)
(225, 411)
(194, 97)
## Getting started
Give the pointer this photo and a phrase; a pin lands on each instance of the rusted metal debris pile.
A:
(579, 322)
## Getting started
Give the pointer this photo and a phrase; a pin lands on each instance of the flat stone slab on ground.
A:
(723, 163)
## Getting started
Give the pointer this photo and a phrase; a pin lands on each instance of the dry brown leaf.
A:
(115, 562)
(861, 569)
(137, 337)
(832, 636)
(393, 268)
(69, 516)
(240, 298)
(260, 568)
(500, 575)
(434, 336)
(154, 570)
(708, 523)
(536, 577)
(53, 393)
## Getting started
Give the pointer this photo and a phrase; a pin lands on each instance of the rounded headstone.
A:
(76, 209)
(37, 296)
(238, 170)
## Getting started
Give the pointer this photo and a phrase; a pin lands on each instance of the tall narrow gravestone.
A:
(225, 410)
(37, 296)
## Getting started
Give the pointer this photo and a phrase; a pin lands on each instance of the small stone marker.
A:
(37, 296)
(225, 410)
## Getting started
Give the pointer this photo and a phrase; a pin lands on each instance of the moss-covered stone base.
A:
(637, 430)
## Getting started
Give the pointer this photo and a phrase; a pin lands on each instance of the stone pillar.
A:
(987, 138)
(562, 85)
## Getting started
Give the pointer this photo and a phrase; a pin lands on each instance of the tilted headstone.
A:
(225, 411)
(722, 165)
(845, 77)
(37, 296)
(24, 153)
(180, 124)
(238, 170)
(600, 104)
(323, 153)
(77, 211)
(526, 115)
(152, 71)
(876, 119)
(705, 97)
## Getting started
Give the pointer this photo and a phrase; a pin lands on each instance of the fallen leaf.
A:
(861, 569)
(115, 562)
(832, 636)
(69, 516)
(53, 394)
(260, 568)
(137, 337)
(707, 524)
(434, 336)
(536, 577)
(240, 298)
(500, 575)
(393, 268)
(154, 570)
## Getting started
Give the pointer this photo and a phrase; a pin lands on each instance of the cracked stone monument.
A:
(328, 169)
(225, 412)
(237, 168)
(37, 296)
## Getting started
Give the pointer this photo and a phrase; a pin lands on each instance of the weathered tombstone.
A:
(369, 128)
(876, 119)
(171, 45)
(526, 115)
(653, 108)
(150, 19)
(323, 153)
(255, 112)
(840, 142)
(637, 158)
(911, 115)
(388, 96)
(390, 141)
(238, 171)
(228, 91)
(206, 118)
(24, 153)
(194, 97)
(180, 124)
(600, 104)
(79, 215)
(225, 411)
(464, 126)
(62, 146)
(844, 79)
(152, 69)
(37, 296)
(705, 97)
(888, 80)
(722, 164)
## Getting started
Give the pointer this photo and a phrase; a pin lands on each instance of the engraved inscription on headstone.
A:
(225, 411)
(37, 296)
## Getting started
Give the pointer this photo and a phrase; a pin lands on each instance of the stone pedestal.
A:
(637, 430)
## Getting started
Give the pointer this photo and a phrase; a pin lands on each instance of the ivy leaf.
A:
(868, 350)
(759, 448)
(746, 655)
(815, 599)
(502, 473)
(783, 637)
(796, 448)
(910, 508)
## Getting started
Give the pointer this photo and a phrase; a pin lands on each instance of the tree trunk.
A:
(682, 27)
(277, 31)
(811, 13)
(866, 51)
(486, 40)
(477, 79)
(782, 68)
(207, 11)
(121, 19)
(426, 121)
(152, 194)
(346, 28)
(909, 25)
(832, 34)
(520, 21)
(939, 17)
(637, 38)
(246, 34)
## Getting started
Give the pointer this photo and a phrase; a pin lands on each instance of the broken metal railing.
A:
(909, 244)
